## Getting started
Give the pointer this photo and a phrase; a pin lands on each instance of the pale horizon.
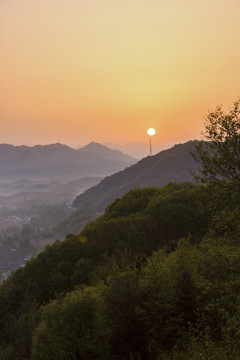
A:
(137, 150)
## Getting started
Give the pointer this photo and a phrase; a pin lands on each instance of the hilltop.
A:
(172, 165)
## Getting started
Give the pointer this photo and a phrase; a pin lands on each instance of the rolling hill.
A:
(172, 165)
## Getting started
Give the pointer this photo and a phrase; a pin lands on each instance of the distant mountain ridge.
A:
(100, 150)
(172, 165)
(58, 160)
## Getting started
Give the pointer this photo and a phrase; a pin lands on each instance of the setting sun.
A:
(151, 131)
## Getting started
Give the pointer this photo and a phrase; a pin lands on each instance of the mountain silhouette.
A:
(60, 161)
(172, 165)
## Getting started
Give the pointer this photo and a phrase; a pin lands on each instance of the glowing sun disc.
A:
(151, 132)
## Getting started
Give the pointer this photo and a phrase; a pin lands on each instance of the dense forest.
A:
(155, 277)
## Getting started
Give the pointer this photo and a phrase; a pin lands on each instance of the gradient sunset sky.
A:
(73, 71)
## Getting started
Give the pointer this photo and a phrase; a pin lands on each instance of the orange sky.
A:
(73, 71)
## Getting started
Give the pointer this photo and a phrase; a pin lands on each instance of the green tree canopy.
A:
(72, 328)
(219, 154)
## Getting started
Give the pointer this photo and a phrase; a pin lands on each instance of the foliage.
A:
(161, 268)
(219, 155)
(164, 217)
(72, 328)
(122, 296)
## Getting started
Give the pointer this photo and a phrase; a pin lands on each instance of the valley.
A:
(37, 187)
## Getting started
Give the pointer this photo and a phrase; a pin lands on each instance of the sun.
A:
(151, 131)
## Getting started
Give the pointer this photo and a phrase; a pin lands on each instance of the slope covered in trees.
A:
(158, 275)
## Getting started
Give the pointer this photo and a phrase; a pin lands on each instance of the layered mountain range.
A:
(58, 161)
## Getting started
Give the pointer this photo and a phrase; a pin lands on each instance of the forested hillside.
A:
(146, 292)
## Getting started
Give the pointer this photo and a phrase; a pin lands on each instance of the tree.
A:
(73, 328)
(121, 298)
(219, 155)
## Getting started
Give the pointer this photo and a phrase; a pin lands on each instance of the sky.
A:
(75, 71)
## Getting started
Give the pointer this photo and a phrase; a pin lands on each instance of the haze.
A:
(73, 71)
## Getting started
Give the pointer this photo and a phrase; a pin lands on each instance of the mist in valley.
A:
(37, 187)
